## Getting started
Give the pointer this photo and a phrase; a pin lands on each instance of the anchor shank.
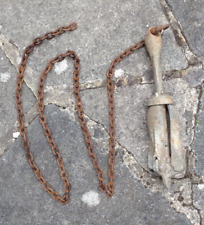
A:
(166, 156)
(153, 44)
(157, 74)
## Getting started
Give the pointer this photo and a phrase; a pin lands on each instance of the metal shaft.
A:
(166, 156)
(159, 155)
(153, 44)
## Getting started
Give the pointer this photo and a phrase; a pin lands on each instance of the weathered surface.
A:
(198, 196)
(191, 18)
(7, 102)
(198, 144)
(105, 29)
(131, 109)
(23, 201)
(194, 76)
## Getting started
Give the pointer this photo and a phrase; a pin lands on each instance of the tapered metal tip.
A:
(167, 181)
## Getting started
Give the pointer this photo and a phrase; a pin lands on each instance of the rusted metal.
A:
(107, 188)
(166, 156)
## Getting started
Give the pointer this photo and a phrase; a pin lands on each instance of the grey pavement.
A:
(105, 29)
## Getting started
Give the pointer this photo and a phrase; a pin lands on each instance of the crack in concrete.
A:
(141, 174)
(197, 209)
(31, 115)
(126, 80)
(13, 55)
(129, 80)
(145, 177)
(117, 142)
(195, 178)
(193, 61)
(172, 197)
(154, 184)
(178, 33)
(10, 50)
(104, 128)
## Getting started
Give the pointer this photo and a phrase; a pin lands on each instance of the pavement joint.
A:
(31, 115)
(10, 50)
(117, 142)
(197, 209)
(200, 90)
(192, 175)
(141, 172)
(103, 32)
(152, 182)
(102, 127)
(154, 185)
(12, 53)
(178, 33)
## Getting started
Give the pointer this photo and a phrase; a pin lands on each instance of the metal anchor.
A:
(166, 156)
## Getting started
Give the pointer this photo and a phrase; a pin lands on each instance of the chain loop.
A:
(108, 189)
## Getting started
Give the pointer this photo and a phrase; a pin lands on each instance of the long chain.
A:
(108, 189)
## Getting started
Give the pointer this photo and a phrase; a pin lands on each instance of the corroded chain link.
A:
(108, 189)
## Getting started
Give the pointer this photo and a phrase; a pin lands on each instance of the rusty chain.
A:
(108, 189)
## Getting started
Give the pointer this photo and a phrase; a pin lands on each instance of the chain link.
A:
(108, 189)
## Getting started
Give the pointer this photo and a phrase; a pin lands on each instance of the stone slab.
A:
(7, 102)
(194, 76)
(198, 195)
(23, 200)
(105, 29)
(190, 16)
(131, 112)
(198, 143)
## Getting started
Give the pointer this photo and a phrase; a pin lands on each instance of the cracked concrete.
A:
(80, 170)
(140, 197)
(7, 103)
(178, 33)
(194, 17)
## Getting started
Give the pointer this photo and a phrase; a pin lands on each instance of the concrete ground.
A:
(105, 29)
